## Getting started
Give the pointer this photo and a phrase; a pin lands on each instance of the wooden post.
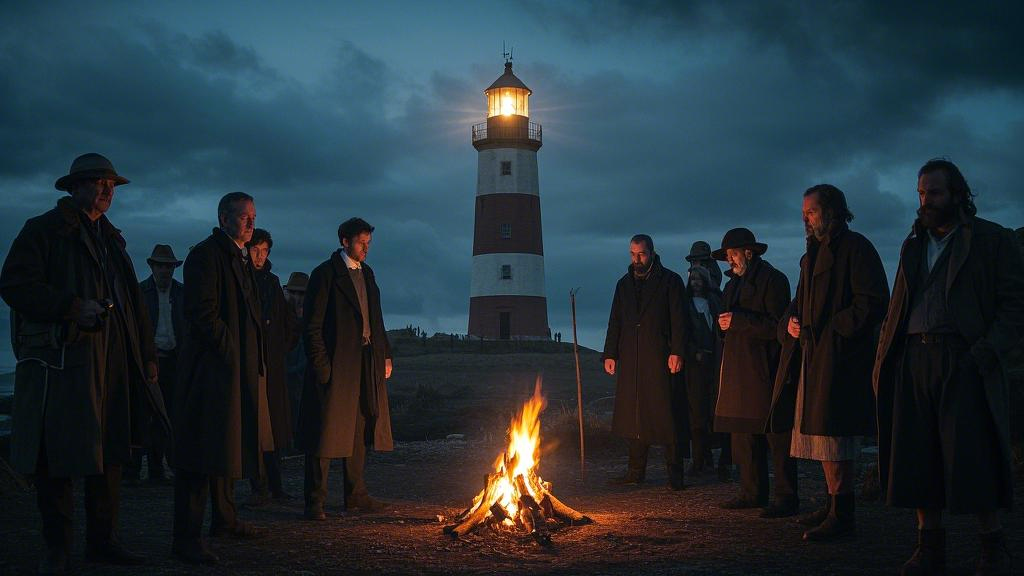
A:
(579, 380)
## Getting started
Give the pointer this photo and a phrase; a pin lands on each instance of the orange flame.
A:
(515, 471)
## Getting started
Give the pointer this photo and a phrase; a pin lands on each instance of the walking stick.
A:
(579, 380)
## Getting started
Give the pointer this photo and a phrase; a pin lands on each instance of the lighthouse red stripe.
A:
(520, 212)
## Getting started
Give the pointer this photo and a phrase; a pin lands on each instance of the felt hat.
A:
(89, 166)
(739, 238)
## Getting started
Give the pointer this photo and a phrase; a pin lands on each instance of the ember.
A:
(514, 497)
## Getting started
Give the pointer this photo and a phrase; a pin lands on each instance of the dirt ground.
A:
(639, 530)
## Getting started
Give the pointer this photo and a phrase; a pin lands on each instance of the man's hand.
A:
(675, 363)
(152, 372)
(725, 320)
(794, 327)
(609, 366)
(89, 313)
(387, 368)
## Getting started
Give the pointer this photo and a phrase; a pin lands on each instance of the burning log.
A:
(514, 497)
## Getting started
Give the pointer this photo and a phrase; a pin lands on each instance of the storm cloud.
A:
(680, 120)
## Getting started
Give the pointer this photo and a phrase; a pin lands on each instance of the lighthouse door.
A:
(504, 325)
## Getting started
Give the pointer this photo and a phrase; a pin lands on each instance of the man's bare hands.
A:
(89, 313)
(387, 368)
(725, 320)
(793, 327)
(675, 363)
(609, 366)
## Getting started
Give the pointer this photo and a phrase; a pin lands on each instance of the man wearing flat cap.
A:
(754, 300)
(165, 301)
(86, 361)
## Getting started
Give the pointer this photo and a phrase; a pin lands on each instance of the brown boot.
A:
(929, 557)
(995, 556)
(838, 523)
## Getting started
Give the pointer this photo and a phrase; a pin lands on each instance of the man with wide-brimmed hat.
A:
(754, 300)
(85, 353)
(700, 255)
(165, 301)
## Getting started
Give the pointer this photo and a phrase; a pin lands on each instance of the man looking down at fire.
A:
(648, 320)
(345, 400)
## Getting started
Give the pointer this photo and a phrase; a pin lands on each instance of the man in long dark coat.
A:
(957, 309)
(701, 370)
(644, 347)
(165, 300)
(840, 301)
(345, 402)
(86, 363)
(221, 414)
(754, 300)
(280, 327)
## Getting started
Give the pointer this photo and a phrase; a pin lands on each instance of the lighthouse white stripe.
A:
(527, 275)
(523, 179)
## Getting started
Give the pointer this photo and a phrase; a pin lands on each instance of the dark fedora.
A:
(739, 238)
(297, 282)
(89, 166)
(163, 254)
(700, 250)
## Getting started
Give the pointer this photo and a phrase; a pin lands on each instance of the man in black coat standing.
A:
(839, 303)
(280, 327)
(222, 422)
(86, 364)
(644, 347)
(754, 300)
(165, 301)
(345, 402)
(956, 312)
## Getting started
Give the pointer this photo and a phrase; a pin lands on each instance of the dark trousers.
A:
(190, 492)
(157, 443)
(55, 498)
(315, 487)
(750, 452)
(270, 481)
(638, 451)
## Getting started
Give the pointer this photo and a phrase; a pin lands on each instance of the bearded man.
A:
(957, 309)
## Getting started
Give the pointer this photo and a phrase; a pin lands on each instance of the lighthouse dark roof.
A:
(508, 80)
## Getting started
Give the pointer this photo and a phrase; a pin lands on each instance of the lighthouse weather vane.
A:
(506, 53)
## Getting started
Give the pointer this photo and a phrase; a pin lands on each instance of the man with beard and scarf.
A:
(755, 298)
(957, 309)
(828, 338)
(280, 326)
(644, 347)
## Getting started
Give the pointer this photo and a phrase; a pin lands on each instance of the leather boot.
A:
(632, 477)
(995, 557)
(929, 557)
(839, 522)
(698, 439)
(818, 516)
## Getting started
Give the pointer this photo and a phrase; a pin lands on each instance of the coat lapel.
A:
(961, 246)
(343, 280)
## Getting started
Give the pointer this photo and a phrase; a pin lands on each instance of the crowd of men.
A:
(219, 374)
(212, 375)
(807, 375)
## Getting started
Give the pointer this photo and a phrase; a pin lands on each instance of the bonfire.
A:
(514, 497)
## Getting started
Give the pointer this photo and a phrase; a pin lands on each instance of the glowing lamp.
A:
(508, 96)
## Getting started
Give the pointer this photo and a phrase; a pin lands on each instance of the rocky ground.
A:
(640, 530)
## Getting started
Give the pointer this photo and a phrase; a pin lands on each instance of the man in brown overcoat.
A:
(345, 402)
(957, 308)
(222, 421)
(839, 303)
(86, 362)
(754, 300)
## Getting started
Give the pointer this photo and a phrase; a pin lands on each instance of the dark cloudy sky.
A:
(677, 119)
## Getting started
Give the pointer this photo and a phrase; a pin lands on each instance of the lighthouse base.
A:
(509, 317)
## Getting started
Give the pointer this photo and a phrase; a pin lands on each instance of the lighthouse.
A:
(506, 297)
